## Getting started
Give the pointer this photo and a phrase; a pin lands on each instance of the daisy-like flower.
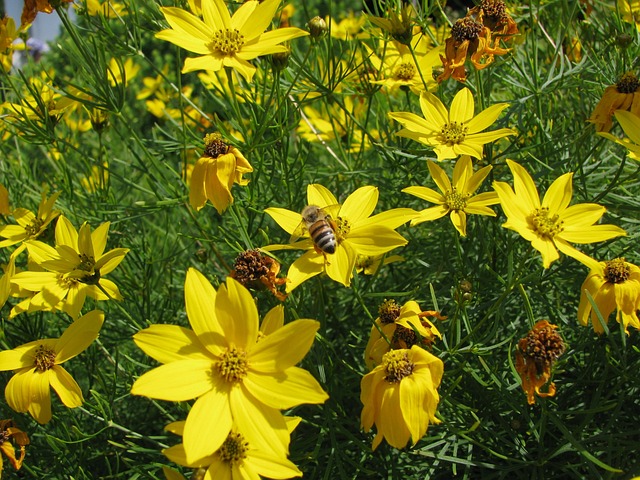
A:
(535, 356)
(400, 327)
(456, 200)
(238, 459)
(624, 95)
(38, 368)
(30, 225)
(220, 166)
(226, 41)
(8, 433)
(400, 396)
(75, 269)
(120, 73)
(455, 132)
(630, 124)
(235, 378)
(356, 233)
(552, 225)
(613, 285)
(398, 25)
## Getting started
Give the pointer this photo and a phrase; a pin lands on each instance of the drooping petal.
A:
(390, 422)
(547, 248)
(293, 387)
(412, 394)
(197, 195)
(65, 386)
(208, 425)
(169, 343)
(339, 266)
(459, 220)
(177, 381)
(284, 347)
(17, 392)
(78, 336)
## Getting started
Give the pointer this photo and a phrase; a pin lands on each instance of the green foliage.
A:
(491, 284)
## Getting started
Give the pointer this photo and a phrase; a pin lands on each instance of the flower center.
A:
(86, 263)
(227, 41)
(343, 228)
(403, 337)
(544, 225)
(453, 133)
(617, 271)
(494, 10)
(214, 146)
(66, 282)
(397, 365)
(455, 200)
(233, 365)
(405, 71)
(466, 29)
(628, 83)
(388, 312)
(45, 358)
(543, 345)
(33, 229)
(234, 449)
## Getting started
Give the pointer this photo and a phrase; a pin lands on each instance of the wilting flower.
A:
(237, 458)
(400, 327)
(477, 36)
(455, 132)
(8, 433)
(356, 233)
(456, 200)
(552, 225)
(630, 124)
(253, 269)
(535, 355)
(624, 95)
(226, 41)
(220, 166)
(400, 396)
(32, 7)
(221, 364)
(613, 285)
(30, 225)
(38, 368)
(75, 269)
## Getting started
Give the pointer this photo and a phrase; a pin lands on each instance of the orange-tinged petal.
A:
(177, 381)
(237, 314)
(360, 204)
(284, 347)
(65, 386)
(207, 426)
(293, 387)
(169, 343)
(200, 297)
(78, 336)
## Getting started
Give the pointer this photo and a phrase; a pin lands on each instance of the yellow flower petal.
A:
(177, 381)
(65, 386)
(293, 387)
(306, 266)
(439, 176)
(360, 204)
(559, 194)
(320, 196)
(287, 219)
(169, 343)
(232, 302)
(284, 347)
(40, 400)
(200, 298)
(78, 336)
(207, 426)
(462, 110)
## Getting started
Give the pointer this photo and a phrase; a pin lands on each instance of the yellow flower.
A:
(221, 364)
(98, 178)
(5, 209)
(121, 73)
(629, 11)
(456, 200)
(30, 225)
(400, 396)
(37, 368)
(237, 458)
(154, 86)
(10, 432)
(552, 225)
(220, 166)
(225, 41)
(349, 28)
(370, 264)
(624, 95)
(630, 124)
(613, 285)
(106, 9)
(356, 233)
(75, 269)
(400, 327)
(5, 281)
(452, 133)
(535, 356)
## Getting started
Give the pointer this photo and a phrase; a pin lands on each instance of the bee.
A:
(321, 227)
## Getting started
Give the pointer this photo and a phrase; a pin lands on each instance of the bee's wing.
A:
(300, 231)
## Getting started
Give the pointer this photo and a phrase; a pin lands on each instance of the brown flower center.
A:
(397, 365)
(234, 449)
(544, 225)
(453, 133)
(45, 358)
(233, 365)
(617, 271)
(86, 263)
(455, 200)
(388, 312)
(628, 83)
(405, 71)
(403, 337)
(543, 345)
(466, 29)
(226, 41)
(494, 10)
(33, 229)
(214, 146)
(250, 266)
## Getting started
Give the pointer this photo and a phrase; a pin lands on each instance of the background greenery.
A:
(590, 429)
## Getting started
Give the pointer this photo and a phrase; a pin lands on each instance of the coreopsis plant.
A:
(535, 356)
(73, 270)
(120, 73)
(220, 166)
(37, 367)
(356, 233)
(400, 396)
(552, 224)
(10, 434)
(623, 95)
(614, 285)
(223, 40)
(455, 132)
(456, 200)
(630, 124)
(237, 459)
(400, 327)
(32, 7)
(235, 379)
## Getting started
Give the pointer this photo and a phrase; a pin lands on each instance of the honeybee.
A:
(321, 227)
